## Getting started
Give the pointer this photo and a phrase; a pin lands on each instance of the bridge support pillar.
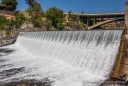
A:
(87, 21)
(66, 17)
(94, 20)
(100, 19)
(81, 19)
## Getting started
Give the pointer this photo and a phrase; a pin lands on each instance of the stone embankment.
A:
(7, 41)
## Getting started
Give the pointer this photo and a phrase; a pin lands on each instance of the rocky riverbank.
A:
(7, 41)
(114, 82)
(28, 83)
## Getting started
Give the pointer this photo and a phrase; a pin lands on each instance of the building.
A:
(7, 14)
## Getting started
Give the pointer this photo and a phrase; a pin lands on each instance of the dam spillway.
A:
(68, 58)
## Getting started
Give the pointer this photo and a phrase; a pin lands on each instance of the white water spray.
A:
(68, 58)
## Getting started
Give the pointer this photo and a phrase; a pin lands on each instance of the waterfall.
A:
(69, 58)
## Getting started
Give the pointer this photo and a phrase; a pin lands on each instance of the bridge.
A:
(95, 20)
(105, 22)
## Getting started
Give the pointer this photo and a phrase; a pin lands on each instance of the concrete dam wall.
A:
(120, 70)
(121, 67)
(68, 58)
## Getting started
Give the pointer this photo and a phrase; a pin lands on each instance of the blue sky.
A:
(88, 6)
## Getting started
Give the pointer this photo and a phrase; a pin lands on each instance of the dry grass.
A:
(43, 18)
(8, 16)
(26, 14)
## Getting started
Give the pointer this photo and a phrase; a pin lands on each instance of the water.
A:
(65, 58)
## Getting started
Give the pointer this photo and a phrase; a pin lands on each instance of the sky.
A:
(77, 6)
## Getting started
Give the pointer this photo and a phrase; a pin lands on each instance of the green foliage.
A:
(11, 22)
(16, 23)
(60, 26)
(30, 10)
(37, 22)
(72, 17)
(30, 2)
(81, 26)
(76, 25)
(36, 13)
(55, 16)
(20, 19)
(10, 26)
(82, 12)
(49, 24)
(69, 14)
(3, 22)
(37, 8)
(10, 4)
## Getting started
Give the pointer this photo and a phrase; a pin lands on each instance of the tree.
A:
(72, 17)
(10, 4)
(72, 25)
(82, 12)
(36, 13)
(20, 19)
(11, 25)
(69, 14)
(3, 22)
(81, 26)
(55, 15)
(14, 24)
(30, 2)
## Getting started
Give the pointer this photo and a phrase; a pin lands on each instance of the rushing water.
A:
(65, 58)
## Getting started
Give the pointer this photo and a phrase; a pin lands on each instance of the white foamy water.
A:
(68, 58)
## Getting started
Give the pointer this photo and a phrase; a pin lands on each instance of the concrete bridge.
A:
(95, 20)
(105, 22)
